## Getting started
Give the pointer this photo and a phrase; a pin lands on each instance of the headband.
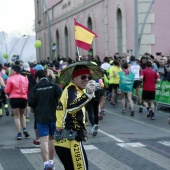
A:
(80, 72)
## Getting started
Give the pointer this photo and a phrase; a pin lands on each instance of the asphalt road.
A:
(122, 143)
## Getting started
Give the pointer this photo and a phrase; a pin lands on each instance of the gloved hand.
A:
(91, 87)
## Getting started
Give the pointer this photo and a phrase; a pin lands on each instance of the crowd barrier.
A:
(162, 97)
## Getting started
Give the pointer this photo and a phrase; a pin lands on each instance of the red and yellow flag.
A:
(83, 36)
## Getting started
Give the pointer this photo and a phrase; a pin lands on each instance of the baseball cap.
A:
(26, 66)
(38, 67)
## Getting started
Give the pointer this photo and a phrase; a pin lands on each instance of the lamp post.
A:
(15, 44)
(49, 31)
(24, 45)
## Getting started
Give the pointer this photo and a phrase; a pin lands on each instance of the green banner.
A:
(162, 92)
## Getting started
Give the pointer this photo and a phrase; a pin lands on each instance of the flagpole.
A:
(78, 52)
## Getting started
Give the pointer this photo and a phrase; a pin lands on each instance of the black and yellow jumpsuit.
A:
(71, 116)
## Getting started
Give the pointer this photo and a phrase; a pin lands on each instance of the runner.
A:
(126, 84)
(43, 98)
(136, 69)
(149, 78)
(17, 88)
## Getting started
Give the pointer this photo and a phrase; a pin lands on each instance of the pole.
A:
(143, 24)
(24, 46)
(136, 28)
(78, 52)
(49, 32)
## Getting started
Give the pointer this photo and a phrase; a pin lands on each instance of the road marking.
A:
(31, 150)
(104, 161)
(89, 147)
(166, 143)
(165, 130)
(151, 156)
(124, 145)
(111, 136)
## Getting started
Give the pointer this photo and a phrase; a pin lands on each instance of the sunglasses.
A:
(83, 77)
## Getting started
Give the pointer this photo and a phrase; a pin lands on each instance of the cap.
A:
(26, 66)
(38, 67)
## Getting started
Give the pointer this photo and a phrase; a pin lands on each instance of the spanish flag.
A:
(83, 36)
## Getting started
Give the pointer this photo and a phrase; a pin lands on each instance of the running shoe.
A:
(36, 142)
(48, 167)
(18, 137)
(140, 109)
(132, 113)
(102, 112)
(94, 130)
(53, 166)
(26, 134)
(123, 111)
(152, 116)
(149, 113)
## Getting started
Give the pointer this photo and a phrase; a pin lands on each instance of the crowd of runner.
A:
(121, 75)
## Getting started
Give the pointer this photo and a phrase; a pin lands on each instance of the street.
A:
(122, 143)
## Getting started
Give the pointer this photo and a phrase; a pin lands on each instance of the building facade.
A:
(111, 20)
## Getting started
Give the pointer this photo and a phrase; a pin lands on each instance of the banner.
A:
(162, 93)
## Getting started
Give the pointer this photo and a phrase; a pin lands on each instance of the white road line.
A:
(166, 143)
(89, 147)
(111, 136)
(151, 156)
(31, 150)
(104, 161)
(134, 145)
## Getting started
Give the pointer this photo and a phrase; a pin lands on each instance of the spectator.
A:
(71, 119)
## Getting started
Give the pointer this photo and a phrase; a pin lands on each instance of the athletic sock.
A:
(45, 163)
(51, 161)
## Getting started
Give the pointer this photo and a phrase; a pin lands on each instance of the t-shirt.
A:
(126, 81)
(149, 79)
(105, 66)
(114, 79)
(135, 68)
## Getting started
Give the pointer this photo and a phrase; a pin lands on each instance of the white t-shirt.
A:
(135, 68)
(105, 66)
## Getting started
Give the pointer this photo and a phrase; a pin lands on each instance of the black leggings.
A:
(92, 108)
(72, 154)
